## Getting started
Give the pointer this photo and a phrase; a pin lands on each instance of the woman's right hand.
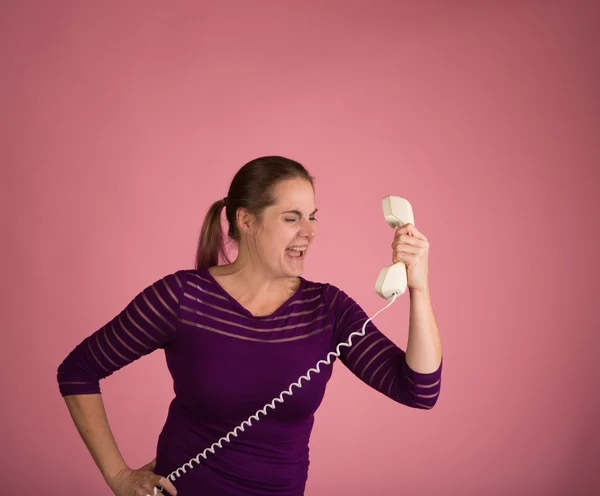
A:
(140, 482)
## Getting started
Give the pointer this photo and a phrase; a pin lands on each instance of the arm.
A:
(147, 323)
(424, 348)
(378, 362)
(89, 416)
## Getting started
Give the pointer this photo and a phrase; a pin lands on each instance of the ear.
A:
(245, 220)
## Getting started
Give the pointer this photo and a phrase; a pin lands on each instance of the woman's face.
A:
(281, 240)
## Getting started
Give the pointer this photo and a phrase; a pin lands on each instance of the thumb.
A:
(150, 466)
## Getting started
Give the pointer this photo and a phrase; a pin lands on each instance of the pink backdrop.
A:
(122, 123)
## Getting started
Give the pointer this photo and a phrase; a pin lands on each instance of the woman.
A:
(238, 334)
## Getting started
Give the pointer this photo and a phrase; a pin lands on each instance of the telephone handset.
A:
(389, 285)
(392, 279)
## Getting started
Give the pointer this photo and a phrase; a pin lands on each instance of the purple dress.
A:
(226, 364)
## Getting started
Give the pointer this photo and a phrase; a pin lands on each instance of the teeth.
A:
(298, 248)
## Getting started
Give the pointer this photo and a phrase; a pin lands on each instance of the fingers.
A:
(411, 230)
(403, 249)
(167, 485)
(157, 485)
(409, 244)
(407, 259)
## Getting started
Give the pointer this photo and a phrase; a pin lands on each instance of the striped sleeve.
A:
(147, 323)
(378, 362)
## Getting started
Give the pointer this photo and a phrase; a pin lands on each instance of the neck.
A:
(252, 281)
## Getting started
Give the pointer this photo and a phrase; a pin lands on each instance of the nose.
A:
(307, 229)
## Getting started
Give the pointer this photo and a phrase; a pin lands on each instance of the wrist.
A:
(424, 291)
(114, 473)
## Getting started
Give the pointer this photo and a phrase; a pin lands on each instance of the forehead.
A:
(294, 193)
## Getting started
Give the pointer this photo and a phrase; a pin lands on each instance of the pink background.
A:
(122, 123)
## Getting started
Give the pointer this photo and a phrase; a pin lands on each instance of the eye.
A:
(313, 218)
(290, 220)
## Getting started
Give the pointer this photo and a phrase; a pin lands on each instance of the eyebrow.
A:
(297, 212)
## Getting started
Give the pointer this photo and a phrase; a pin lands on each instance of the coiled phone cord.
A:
(280, 399)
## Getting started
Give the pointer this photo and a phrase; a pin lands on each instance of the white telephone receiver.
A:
(390, 284)
(392, 279)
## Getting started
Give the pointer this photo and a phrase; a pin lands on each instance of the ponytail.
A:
(211, 244)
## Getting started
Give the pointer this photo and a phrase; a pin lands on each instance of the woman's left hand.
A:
(412, 248)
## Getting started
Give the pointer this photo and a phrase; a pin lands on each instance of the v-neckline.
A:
(247, 313)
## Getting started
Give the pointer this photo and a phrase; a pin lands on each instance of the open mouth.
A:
(296, 252)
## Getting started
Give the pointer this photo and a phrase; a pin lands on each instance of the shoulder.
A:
(175, 278)
(172, 283)
(196, 280)
(184, 275)
(332, 296)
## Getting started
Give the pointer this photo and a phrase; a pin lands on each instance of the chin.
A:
(297, 272)
(292, 271)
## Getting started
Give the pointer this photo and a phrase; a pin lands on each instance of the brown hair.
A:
(251, 188)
